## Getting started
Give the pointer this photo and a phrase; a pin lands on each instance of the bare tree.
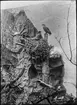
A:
(68, 36)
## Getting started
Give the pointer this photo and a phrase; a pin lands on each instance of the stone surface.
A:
(23, 81)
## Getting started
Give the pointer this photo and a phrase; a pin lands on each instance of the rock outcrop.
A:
(29, 74)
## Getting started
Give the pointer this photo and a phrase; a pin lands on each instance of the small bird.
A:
(39, 35)
(46, 29)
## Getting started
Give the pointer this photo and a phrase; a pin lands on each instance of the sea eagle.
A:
(46, 29)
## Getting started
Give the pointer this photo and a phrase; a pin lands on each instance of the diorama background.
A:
(54, 15)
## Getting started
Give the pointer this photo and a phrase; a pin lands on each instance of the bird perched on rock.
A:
(46, 29)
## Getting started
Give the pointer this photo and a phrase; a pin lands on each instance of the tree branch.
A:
(45, 84)
(59, 41)
(20, 44)
(68, 32)
(70, 83)
(68, 35)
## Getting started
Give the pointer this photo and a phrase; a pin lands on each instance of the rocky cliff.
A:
(27, 70)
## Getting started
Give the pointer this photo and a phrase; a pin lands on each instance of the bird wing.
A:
(46, 29)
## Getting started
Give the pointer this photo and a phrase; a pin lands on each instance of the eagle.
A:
(46, 29)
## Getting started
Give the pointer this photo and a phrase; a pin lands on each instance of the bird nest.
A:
(37, 49)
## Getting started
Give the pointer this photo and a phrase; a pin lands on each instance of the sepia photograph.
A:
(38, 52)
